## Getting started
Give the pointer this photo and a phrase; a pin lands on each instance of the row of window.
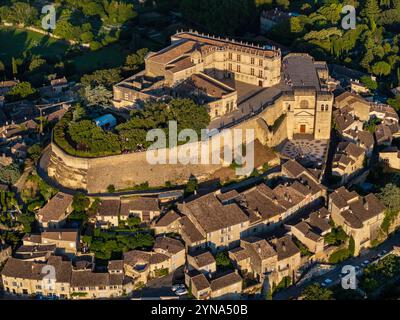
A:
(252, 59)
(95, 288)
(304, 105)
(252, 71)
(324, 107)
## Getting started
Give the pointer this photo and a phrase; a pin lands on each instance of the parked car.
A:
(365, 263)
(326, 282)
(177, 286)
(181, 292)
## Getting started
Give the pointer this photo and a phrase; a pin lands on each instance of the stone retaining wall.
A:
(126, 170)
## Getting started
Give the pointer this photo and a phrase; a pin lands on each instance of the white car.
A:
(181, 292)
(178, 286)
(365, 263)
(326, 282)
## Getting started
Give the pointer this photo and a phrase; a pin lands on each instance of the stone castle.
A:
(244, 87)
(235, 80)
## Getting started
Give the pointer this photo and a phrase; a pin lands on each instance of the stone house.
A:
(363, 139)
(353, 104)
(65, 240)
(28, 278)
(391, 156)
(55, 212)
(172, 248)
(274, 260)
(219, 220)
(348, 161)
(203, 262)
(108, 213)
(227, 286)
(311, 231)
(145, 208)
(167, 223)
(360, 217)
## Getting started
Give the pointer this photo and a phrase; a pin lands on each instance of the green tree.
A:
(224, 17)
(27, 220)
(97, 96)
(87, 37)
(381, 68)
(14, 66)
(23, 13)
(80, 202)
(118, 12)
(390, 197)
(105, 77)
(9, 174)
(34, 152)
(336, 237)
(369, 83)
(133, 222)
(135, 60)
(395, 102)
(191, 186)
(371, 10)
(78, 113)
(316, 292)
(37, 63)
(22, 90)
(283, 3)
(223, 261)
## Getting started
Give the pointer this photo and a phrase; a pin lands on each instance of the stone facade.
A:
(391, 156)
(360, 217)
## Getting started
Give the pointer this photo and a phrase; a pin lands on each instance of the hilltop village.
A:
(84, 215)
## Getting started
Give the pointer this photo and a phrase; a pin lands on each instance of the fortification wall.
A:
(126, 170)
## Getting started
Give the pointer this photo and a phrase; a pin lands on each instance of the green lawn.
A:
(108, 57)
(15, 42)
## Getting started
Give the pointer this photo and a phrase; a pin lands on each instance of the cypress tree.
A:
(14, 66)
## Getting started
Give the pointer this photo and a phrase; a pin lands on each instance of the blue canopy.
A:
(106, 120)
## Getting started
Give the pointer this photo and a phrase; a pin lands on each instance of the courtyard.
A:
(308, 152)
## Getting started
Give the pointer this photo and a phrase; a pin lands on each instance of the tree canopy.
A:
(316, 292)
